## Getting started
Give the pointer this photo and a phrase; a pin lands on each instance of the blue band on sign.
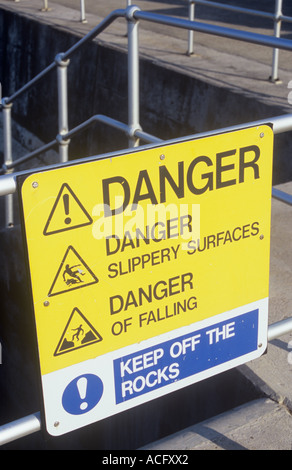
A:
(187, 355)
(82, 394)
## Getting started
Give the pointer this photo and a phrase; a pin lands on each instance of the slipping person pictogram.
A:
(73, 273)
(72, 277)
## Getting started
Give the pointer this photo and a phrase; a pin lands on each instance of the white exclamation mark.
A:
(82, 388)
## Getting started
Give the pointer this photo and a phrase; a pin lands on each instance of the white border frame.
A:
(59, 422)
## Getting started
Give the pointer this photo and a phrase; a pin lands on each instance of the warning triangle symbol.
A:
(77, 334)
(73, 273)
(67, 213)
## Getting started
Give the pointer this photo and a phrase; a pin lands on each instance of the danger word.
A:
(161, 230)
(158, 291)
(229, 168)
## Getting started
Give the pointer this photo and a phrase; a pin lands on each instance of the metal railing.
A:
(132, 129)
(20, 428)
(277, 17)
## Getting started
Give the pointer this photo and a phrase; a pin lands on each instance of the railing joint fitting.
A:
(278, 17)
(61, 139)
(59, 60)
(130, 12)
(132, 131)
(4, 103)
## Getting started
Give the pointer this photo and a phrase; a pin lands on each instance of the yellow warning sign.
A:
(124, 249)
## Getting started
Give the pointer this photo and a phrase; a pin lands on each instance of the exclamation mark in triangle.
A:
(67, 212)
(66, 208)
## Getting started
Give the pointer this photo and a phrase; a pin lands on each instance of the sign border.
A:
(44, 378)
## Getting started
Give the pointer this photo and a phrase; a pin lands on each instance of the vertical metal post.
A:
(190, 50)
(62, 106)
(133, 77)
(82, 12)
(46, 7)
(7, 151)
(277, 33)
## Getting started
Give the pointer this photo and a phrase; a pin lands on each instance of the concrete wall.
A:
(172, 105)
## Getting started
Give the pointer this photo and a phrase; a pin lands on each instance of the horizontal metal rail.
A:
(280, 124)
(282, 196)
(32, 423)
(215, 30)
(20, 428)
(277, 17)
(76, 130)
(285, 18)
(247, 11)
(280, 328)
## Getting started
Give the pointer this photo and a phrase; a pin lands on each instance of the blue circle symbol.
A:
(82, 394)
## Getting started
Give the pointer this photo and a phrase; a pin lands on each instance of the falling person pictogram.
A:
(78, 331)
(84, 334)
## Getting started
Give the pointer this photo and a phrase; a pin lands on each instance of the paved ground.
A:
(265, 423)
